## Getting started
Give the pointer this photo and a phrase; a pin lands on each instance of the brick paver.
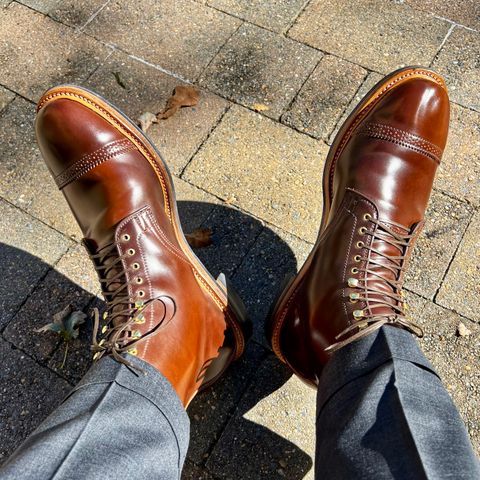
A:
(458, 63)
(344, 26)
(179, 35)
(260, 69)
(276, 80)
(288, 164)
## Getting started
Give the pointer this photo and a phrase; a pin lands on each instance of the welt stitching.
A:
(92, 160)
(140, 146)
(368, 108)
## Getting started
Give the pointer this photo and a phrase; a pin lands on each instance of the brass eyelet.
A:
(141, 293)
(131, 251)
(367, 217)
(125, 237)
(362, 230)
(354, 297)
(352, 282)
(132, 351)
(140, 319)
(136, 333)
(136, 266)
(354, 270)
(357, 258)
(358, 313)
(360, 244)
(104, 329)
(139, 280)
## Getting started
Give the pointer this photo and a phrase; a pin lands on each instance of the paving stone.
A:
(6, 96)
(274, 255)
(466, 12)
(446, 221)
(455, 358)
(194, 205)
(324, 97)
(251, 70)
(146, 89)
(274, 15)
(38, 52)
(28, 393)
(53, 294)
(75, 13)
(370, 81)
(179, 35)
(193, 472)
(459, 171)
(458, 63)
(27, 249)
(272, 433)
(26, 181)
(461, 288)
(210, 411)
(42, 6)
(379, 35)
(233, 235)
(280, 182)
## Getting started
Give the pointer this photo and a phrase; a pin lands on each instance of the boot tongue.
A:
(384, 271)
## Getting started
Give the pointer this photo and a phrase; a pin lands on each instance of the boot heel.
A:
(227, 352)
(236, 305)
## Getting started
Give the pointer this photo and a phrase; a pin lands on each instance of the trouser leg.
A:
(114, 424)
(382, 413)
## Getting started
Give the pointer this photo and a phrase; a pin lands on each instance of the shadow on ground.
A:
(27, 394)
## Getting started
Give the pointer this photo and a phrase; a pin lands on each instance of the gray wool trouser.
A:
(382, 413)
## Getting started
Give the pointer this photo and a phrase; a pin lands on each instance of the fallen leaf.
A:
(145, 120)
(199, 238)
(462, 330)
(119, 80)
(65, 323)
(182, 96)
(260, 107)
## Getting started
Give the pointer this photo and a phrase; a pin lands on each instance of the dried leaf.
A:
(199, 238)
(182, 96)
(145, 120)
(462, 330)
(65, 323)
(260, 107)
(119, 80)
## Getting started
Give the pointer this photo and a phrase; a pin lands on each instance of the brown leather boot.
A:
(376, 185)
(162, 304)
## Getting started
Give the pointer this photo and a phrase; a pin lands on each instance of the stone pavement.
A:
(277, 78)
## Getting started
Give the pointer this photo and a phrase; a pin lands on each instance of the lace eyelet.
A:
(96, 356)
(139, 280)
(104, 329)
(141, 293)
(362, 230)
(140, 319)
(357, 258)
(131, 251)
(354, 297)
(132, 351)
(352, 282)
(136, 266)
(367, 217)
(360, 244)
(354, 270)
(125, 237)
(358, 314)
(136, 334)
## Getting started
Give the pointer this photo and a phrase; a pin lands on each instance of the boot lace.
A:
(122, 314)
(370, 319)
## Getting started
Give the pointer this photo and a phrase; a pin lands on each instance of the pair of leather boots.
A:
(164, 307)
